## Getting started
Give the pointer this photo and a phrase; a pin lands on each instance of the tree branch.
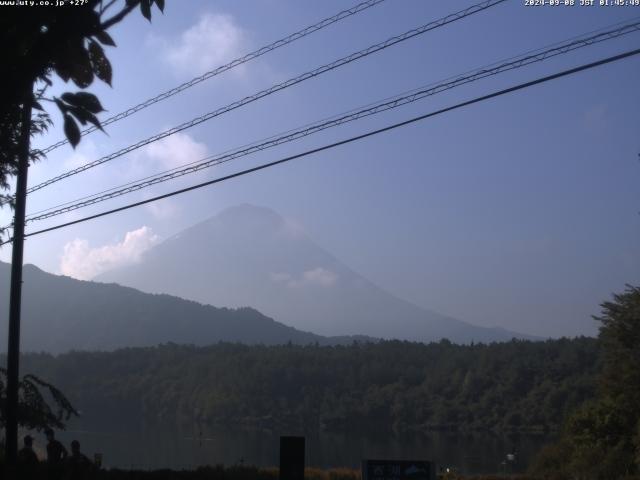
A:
(107, 6)
(117, 18)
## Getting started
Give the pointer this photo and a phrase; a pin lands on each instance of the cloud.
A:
(213, 41)
(83, 154)
(163, 209)
(174, 151)
(319, 277)
(81, 261)
(293, 229)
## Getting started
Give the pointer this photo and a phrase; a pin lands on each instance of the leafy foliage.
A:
(601, 440)
(83, 106)
(620, 338)
(35, 397)
(40, 41)
(37, 42)
(401, 386)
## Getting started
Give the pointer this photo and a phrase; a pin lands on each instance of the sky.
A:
(520, 212)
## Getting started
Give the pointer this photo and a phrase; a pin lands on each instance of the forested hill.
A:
(60, 314)
(393, 385)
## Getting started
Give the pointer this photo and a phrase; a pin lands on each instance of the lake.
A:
(156, 448)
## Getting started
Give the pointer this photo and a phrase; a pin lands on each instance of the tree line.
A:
(390, 385)
(601, 438)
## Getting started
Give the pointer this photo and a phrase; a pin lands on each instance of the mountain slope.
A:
(250, 256)
(60, 314)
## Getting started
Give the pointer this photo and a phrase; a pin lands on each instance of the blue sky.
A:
(522, 211)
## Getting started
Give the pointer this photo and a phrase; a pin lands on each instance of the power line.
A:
(520, 86)
(383, 105)
(223, 68)
(281, 86)
(621, 28)
(372, 109)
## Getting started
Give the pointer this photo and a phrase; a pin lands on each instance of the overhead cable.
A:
(223, 68)
(505, 91)
(372, 109)
(476, 8)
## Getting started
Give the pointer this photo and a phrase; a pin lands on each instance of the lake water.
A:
(156, 448)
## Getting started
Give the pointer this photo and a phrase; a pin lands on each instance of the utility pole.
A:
(15, 296)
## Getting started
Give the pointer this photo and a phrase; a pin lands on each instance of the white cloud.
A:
(163, 209)
(83, 154)
(81, 261)
(213, 41)
(320, 277)
(174, 151)
(293, 229)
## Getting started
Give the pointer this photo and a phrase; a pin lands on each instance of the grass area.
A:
(220, 472)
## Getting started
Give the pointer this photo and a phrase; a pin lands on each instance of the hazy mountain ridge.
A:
(251, 256)
(60, 314)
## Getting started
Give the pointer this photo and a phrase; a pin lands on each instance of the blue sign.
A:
(398, 470)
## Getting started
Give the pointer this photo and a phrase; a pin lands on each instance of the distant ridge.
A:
(248, 255)
(61, 314)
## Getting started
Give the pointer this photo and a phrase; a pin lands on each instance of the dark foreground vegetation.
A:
(601, 439)
(400, 386)
(588, 388)
(253, 473)
(249, 473)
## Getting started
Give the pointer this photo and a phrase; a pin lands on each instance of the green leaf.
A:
(101, 65)
(80, 66)
(94, 120)
(105, 38)
(80, 114)
(89, 101)
(69, 98)
(145, 8)
(71, 131)
(160, 4)
(63, 72)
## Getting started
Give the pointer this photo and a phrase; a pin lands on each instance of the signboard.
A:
(291, 458)
(398, 470)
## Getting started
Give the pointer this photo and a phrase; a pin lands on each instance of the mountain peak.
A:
(248, 210)
(250, 255)
(244, 219)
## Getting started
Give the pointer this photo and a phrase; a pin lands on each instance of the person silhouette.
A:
(76, 455)
(78, 463)
(56, 453)
(26, 455)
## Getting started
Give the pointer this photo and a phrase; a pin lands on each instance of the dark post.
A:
(291, 458)
(13, 351)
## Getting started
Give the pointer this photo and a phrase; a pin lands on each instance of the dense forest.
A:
(601, 438)
(392, 386)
